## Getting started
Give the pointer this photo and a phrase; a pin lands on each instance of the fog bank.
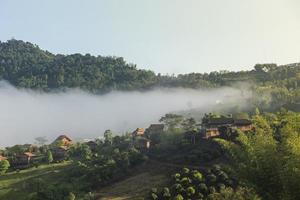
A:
(26, 114)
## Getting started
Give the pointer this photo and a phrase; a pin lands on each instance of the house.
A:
(2, 158)
(59, 153)
(243, 124)
(138, 132)
(92, 144)
(60, 147)
(23, 160)
(63, 140)
(142, 143)
(210, 132)
(216, 126)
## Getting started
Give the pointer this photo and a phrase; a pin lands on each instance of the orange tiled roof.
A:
(62, 137)
(2, 158)
(139, 131)
(29, 154)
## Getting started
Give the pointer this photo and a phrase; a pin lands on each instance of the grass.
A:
(16, 185)
(137, 186)
(13, 186)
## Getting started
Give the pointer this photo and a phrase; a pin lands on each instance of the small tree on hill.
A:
(4, 165)
(49, 157)
(108, 137)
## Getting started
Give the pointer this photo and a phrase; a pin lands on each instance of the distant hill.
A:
(25, 65)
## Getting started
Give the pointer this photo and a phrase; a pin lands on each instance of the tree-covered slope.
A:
(26, 65)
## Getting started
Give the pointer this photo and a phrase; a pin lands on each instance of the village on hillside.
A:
(29, 155)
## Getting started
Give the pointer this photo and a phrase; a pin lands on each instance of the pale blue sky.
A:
(168, 36)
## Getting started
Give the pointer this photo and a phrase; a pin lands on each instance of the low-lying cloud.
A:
(26, 114)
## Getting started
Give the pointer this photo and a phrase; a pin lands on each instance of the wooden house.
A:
(215, 127)
(142, 143)
(243, 124)
(210, 132)
(59, 153)
(60, 147)
(138, 132)
(23, 160)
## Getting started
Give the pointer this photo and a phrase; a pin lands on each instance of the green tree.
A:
(108, 137)
(172, 121)
(49, 157)
(268, 157)
(4, 165)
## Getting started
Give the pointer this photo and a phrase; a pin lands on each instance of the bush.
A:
(166, 193)
(185, 181)
(194, 186)
(203, 188)
(211, 178)
(212, 189)
(185, 170)
(177, 188)
(4, 165)
(197, 176)
(190, 191)
(178, 197)
(154, 196)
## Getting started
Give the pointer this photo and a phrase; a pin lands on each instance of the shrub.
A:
(211, 178)
(212, 189)
(190, 191)
(178, 197)
(185, 181)
(177, 188)
(4, 165)
(203, 188)
(166, 193)
(197, 176)
(221, 186)
(154, 196)
(185, 170)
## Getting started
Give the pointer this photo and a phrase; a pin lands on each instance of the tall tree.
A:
(172, 121)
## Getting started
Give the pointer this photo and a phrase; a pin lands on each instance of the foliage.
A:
(25, 65)
(4, 165)
(172, 121)
(49, 157)
(192, 184)
(268, 159)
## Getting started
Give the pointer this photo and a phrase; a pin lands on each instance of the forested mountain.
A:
(25, 65)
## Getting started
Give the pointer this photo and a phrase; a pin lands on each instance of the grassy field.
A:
(13, 185)
(137, 186)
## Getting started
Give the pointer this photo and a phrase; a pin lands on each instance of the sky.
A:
(166, 36)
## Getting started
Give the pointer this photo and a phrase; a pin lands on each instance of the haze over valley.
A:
(29, 114)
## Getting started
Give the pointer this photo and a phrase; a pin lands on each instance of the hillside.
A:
(24, 64)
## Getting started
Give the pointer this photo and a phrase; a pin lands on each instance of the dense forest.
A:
(25, 65)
